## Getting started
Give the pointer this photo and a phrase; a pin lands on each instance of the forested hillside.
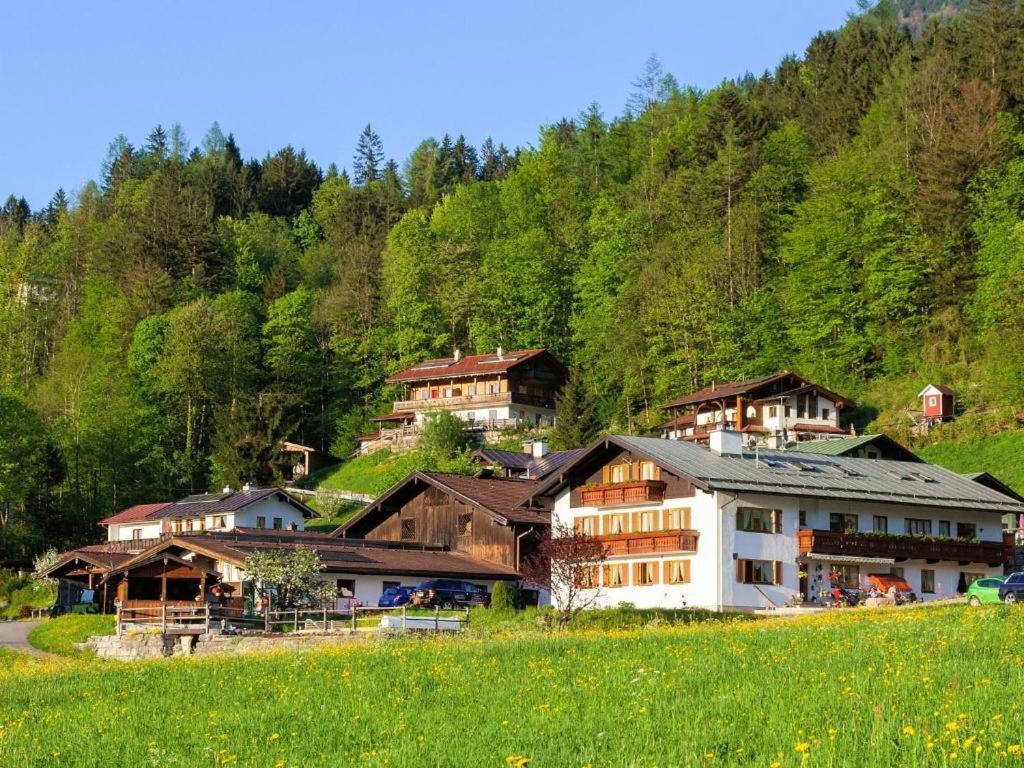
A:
(855, 215)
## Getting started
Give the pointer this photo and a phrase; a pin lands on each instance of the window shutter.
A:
(686, 571)
(666, 519)
(657, 472)
(739, 519)
(778, 572)
(740, 568)
(776, 521)
(606, 575)
(686, 519)
(606, 474)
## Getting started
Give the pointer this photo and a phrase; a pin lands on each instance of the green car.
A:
(984, 590)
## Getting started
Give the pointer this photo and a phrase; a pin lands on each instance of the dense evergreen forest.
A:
(857, 215)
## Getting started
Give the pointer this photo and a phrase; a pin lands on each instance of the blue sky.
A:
(311, 74)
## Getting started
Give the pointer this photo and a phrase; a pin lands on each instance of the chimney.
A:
(228, 489)
(725, 442)
(528, 446)
(501, 352)
(776, 441)
(540, 448)
(457, 355)
(248, 487)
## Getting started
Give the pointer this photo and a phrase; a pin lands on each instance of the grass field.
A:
(924, 687)
(1001, 454)
(57, 635)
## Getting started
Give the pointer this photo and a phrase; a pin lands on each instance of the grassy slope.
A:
(378, 471)
(1001, 454)
(846, 688)
(57, 635)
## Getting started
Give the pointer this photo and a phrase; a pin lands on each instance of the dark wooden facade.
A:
(436, 517)
(593, 476)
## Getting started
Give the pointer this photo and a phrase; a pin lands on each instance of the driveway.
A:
(14, 635)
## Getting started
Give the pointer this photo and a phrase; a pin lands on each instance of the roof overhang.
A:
(849, 559)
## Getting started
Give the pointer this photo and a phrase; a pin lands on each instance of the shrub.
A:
(502, 598)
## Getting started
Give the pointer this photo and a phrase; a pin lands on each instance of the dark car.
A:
(443, 593)
(1012, 590)
(394, 597)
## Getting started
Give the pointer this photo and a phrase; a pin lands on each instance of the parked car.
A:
(1012, 590)
(984, 590)
(444, 593)
(394, 597)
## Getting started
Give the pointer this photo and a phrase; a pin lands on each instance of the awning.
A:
(851, 559)
(885, 580)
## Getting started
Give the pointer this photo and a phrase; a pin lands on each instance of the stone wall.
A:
(153, 645)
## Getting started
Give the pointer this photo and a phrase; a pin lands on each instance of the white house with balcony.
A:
(772, 410)
(727, 528)
(501, 389)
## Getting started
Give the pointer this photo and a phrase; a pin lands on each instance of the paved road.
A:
(14, 635)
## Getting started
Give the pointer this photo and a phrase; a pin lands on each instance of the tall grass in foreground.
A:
(928, 687)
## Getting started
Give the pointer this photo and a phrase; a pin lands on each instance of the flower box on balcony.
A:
(623, 494)
(901, 547)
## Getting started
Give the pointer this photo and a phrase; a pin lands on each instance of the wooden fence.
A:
(197, 619)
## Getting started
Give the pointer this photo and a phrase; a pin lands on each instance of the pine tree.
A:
(575, 421)
(156, 142)
(368, 161)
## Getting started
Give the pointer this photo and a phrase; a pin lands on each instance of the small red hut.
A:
(938, 403)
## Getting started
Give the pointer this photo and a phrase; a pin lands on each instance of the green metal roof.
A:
(836, 446)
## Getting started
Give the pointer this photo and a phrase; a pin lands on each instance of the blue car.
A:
(394, 597)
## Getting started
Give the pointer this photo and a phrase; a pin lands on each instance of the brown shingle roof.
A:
(340, 556)
(470, 365)
(134, 514)
(500, 495)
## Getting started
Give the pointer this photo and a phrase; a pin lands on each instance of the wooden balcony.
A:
(482, 400)
(901, 547)
(656, 542)
(621, 494)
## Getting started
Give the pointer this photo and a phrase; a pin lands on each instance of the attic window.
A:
(466, 524)
(924, 478)
(897, 475)
(409, 529)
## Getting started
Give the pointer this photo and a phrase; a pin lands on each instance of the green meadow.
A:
(918, 687)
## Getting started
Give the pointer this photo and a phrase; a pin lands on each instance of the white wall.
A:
(269, 508)
(713, 570)
(125, 531)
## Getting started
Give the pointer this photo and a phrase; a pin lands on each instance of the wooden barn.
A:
(478, 516)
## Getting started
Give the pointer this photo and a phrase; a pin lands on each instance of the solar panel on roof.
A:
(427, 366)
(200, 498)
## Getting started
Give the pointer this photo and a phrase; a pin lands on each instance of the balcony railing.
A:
(484, 399)
(901, 547)
(620, 494)
(656, 542)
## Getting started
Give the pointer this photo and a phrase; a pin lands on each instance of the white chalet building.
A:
(727, 528)
(246, 508)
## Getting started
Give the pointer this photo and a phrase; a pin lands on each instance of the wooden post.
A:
(405, 624)
(266, 618)
(163, 617)
(295, 626)
(119, 628)
(325, 617)
(207, 619)
(437, 618)
(353, 609)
